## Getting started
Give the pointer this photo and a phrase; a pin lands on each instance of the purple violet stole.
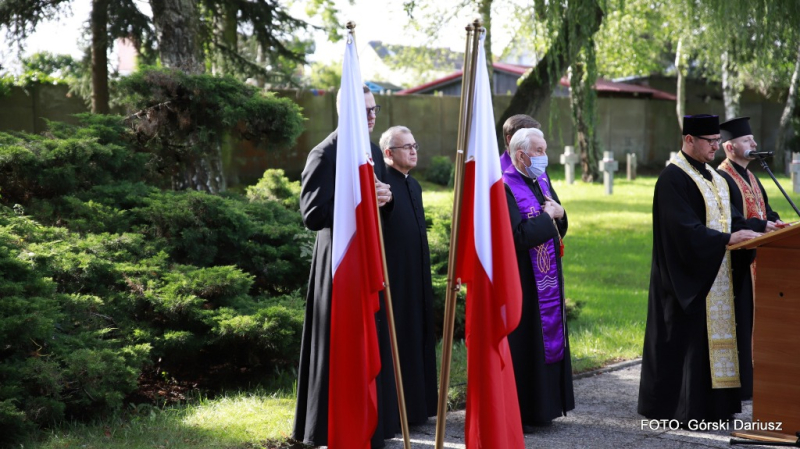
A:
(505, 161)
(545, 266)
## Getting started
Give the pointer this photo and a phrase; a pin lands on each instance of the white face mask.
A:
(537, 167)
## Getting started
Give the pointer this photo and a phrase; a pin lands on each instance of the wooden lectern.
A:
(776, 329)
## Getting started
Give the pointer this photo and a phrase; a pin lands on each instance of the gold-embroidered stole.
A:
(720, 315)
(753, 203)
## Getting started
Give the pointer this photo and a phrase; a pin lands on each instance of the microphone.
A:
(750, 154)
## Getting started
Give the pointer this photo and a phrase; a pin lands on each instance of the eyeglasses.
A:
(710, 141)
(409, 146)
(374, 110)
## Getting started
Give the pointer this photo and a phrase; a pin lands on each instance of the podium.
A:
(776, 328)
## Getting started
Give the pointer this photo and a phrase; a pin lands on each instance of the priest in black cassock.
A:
(540, 344)
(409, 265)
(750, 199)
(316, 207)
(690, 368)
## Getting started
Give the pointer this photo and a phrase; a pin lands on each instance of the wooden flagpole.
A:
(387, 295)
(454, 285)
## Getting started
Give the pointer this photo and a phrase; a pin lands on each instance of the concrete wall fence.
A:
(649, 128)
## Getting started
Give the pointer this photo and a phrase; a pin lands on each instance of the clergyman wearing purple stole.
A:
(540, 344)
(545, 270)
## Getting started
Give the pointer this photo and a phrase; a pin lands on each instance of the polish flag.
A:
(487, 263)
(357, 273)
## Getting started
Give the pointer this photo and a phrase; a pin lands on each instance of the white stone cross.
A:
(631, 166)
(569, 159)
(795, 168)
(608, 166)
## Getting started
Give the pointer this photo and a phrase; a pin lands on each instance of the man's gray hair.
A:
(521, 140)
(387, 138)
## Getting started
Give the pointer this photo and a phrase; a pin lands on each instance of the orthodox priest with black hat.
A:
(690, 366)
(750, 199)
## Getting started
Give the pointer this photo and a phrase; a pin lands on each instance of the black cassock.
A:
(744, 309)
(676, 374)
(316, 207)
(409, 264)
(544, 390)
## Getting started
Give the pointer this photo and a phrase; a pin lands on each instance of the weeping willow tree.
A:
(754, 43)
(571, 26)
(583, 74)
(557, 34)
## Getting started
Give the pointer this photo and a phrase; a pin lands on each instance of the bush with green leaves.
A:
(106, 277)
(440, 171)
(274, 186)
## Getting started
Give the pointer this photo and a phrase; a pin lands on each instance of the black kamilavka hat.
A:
(700, 124)
(735, 127)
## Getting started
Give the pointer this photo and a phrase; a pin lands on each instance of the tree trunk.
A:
(731, 93)
(788, 110)
(584, 113)
(535, 89)
(99, 26)
(177, 24)
(228, 31)
(680, 88)
(485, 10)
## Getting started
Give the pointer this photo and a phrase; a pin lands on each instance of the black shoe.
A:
(536, 425)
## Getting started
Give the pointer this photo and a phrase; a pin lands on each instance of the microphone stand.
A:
(763, 161)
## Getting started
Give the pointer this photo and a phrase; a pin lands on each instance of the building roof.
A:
(604, 86)
(455, 77)
(625, 89)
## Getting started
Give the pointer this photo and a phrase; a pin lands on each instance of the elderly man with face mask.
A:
(540, 344)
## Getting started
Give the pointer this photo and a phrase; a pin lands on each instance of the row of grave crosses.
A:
(608, 166)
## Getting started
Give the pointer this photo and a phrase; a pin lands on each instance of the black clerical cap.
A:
(735, 127)
(700, 125)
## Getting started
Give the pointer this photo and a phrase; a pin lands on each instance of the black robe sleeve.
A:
(317, 181)
(690, 252)
(319, 178)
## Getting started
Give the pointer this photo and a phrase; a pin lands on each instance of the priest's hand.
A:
(384, 192)
(773, 226)
(552, 208)
(743, 235)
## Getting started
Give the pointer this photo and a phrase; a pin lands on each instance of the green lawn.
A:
(606, 267)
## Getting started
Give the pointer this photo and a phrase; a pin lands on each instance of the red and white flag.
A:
(487, 263)
(357, 273)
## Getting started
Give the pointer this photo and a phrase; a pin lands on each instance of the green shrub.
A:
(440, 171)
(108, 278)
(274, 186)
